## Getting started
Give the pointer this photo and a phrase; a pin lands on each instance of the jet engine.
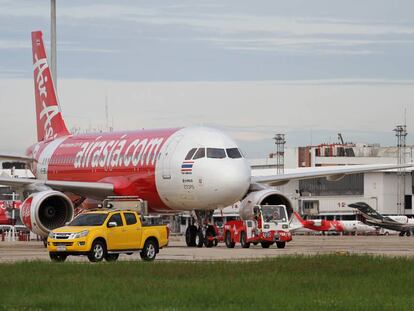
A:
(44, 211)
(263, 197)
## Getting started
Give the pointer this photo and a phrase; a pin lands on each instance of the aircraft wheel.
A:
(190, 236)
(228, 240)
(199, 238)
(210, 233)
(243, 242)
(280, 244)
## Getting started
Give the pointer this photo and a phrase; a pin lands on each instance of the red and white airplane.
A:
(5, 211)
(185, 169)
(322, 225)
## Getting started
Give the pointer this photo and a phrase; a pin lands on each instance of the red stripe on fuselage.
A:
(125, 159)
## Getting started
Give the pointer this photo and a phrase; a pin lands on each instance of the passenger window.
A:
(130, 218)
(216, 153)
(201, 153)
(116, 218)
(233, 153)
(190, 154)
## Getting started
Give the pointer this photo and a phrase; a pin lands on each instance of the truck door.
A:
(133, 234)
(116, 235)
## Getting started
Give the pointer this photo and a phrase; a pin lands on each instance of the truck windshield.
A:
(89, 220)
(273, 213)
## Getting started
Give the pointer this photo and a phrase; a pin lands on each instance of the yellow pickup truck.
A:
(105, 234)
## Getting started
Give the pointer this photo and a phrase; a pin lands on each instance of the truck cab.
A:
(269, 225)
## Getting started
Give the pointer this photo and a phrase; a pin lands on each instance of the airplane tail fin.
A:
(296, 222)
(367, 210)
(50, 123)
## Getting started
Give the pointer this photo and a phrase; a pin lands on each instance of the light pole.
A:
(53, 40)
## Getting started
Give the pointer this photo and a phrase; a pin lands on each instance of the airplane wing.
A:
(10, 157)
(331, 173)
(89, 189)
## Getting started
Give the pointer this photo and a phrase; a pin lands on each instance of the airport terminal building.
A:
(329, 199)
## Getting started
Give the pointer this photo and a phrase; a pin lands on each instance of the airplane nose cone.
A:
(230, 182)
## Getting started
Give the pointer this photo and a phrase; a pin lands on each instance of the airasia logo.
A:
(115, 153)
(48, 112)
(25, 212)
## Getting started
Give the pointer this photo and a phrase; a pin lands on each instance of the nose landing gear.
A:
(203, 232)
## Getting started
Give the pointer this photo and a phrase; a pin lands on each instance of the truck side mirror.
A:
(256, 210)
(112, 224)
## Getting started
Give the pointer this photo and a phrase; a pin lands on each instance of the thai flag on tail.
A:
(187, 167)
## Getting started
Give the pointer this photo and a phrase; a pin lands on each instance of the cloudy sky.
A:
(309, 69)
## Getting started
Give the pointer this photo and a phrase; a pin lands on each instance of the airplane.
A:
(4, 218)
(400, 223)
(5, 211)
(322, 225)
(196, 169)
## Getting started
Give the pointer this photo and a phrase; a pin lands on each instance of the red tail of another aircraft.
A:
(49, 119)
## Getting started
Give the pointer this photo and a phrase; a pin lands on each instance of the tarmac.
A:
(395, 246)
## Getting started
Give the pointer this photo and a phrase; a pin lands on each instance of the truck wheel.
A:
(280, 244)
(401, 233)
(190, 236)
(255, 243)
(243, 242)
(266, 244)
(97, 252)
(58, 257)
(408, 233)
(149, 251)
(228, 240)
(199, 238)
(111, 257)
(210, 234)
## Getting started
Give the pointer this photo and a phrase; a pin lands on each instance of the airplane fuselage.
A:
(173, 169)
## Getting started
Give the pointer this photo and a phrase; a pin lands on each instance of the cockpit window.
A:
(233, 153)
(201, 153)
(190, 154)
(216, 153)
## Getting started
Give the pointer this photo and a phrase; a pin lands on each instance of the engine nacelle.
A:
(263, 197)
(44, 211)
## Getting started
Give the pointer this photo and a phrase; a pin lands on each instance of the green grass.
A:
(287, 283)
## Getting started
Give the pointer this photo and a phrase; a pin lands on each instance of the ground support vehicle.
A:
(270, 225)
(105, 234)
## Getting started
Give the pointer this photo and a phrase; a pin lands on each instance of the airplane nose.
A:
(231, 182)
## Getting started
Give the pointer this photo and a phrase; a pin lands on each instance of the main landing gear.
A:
(201, 233)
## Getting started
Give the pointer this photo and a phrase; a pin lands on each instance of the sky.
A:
(309, 69)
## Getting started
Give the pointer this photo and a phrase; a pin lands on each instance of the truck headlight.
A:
(51, 235)
(80, 234)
